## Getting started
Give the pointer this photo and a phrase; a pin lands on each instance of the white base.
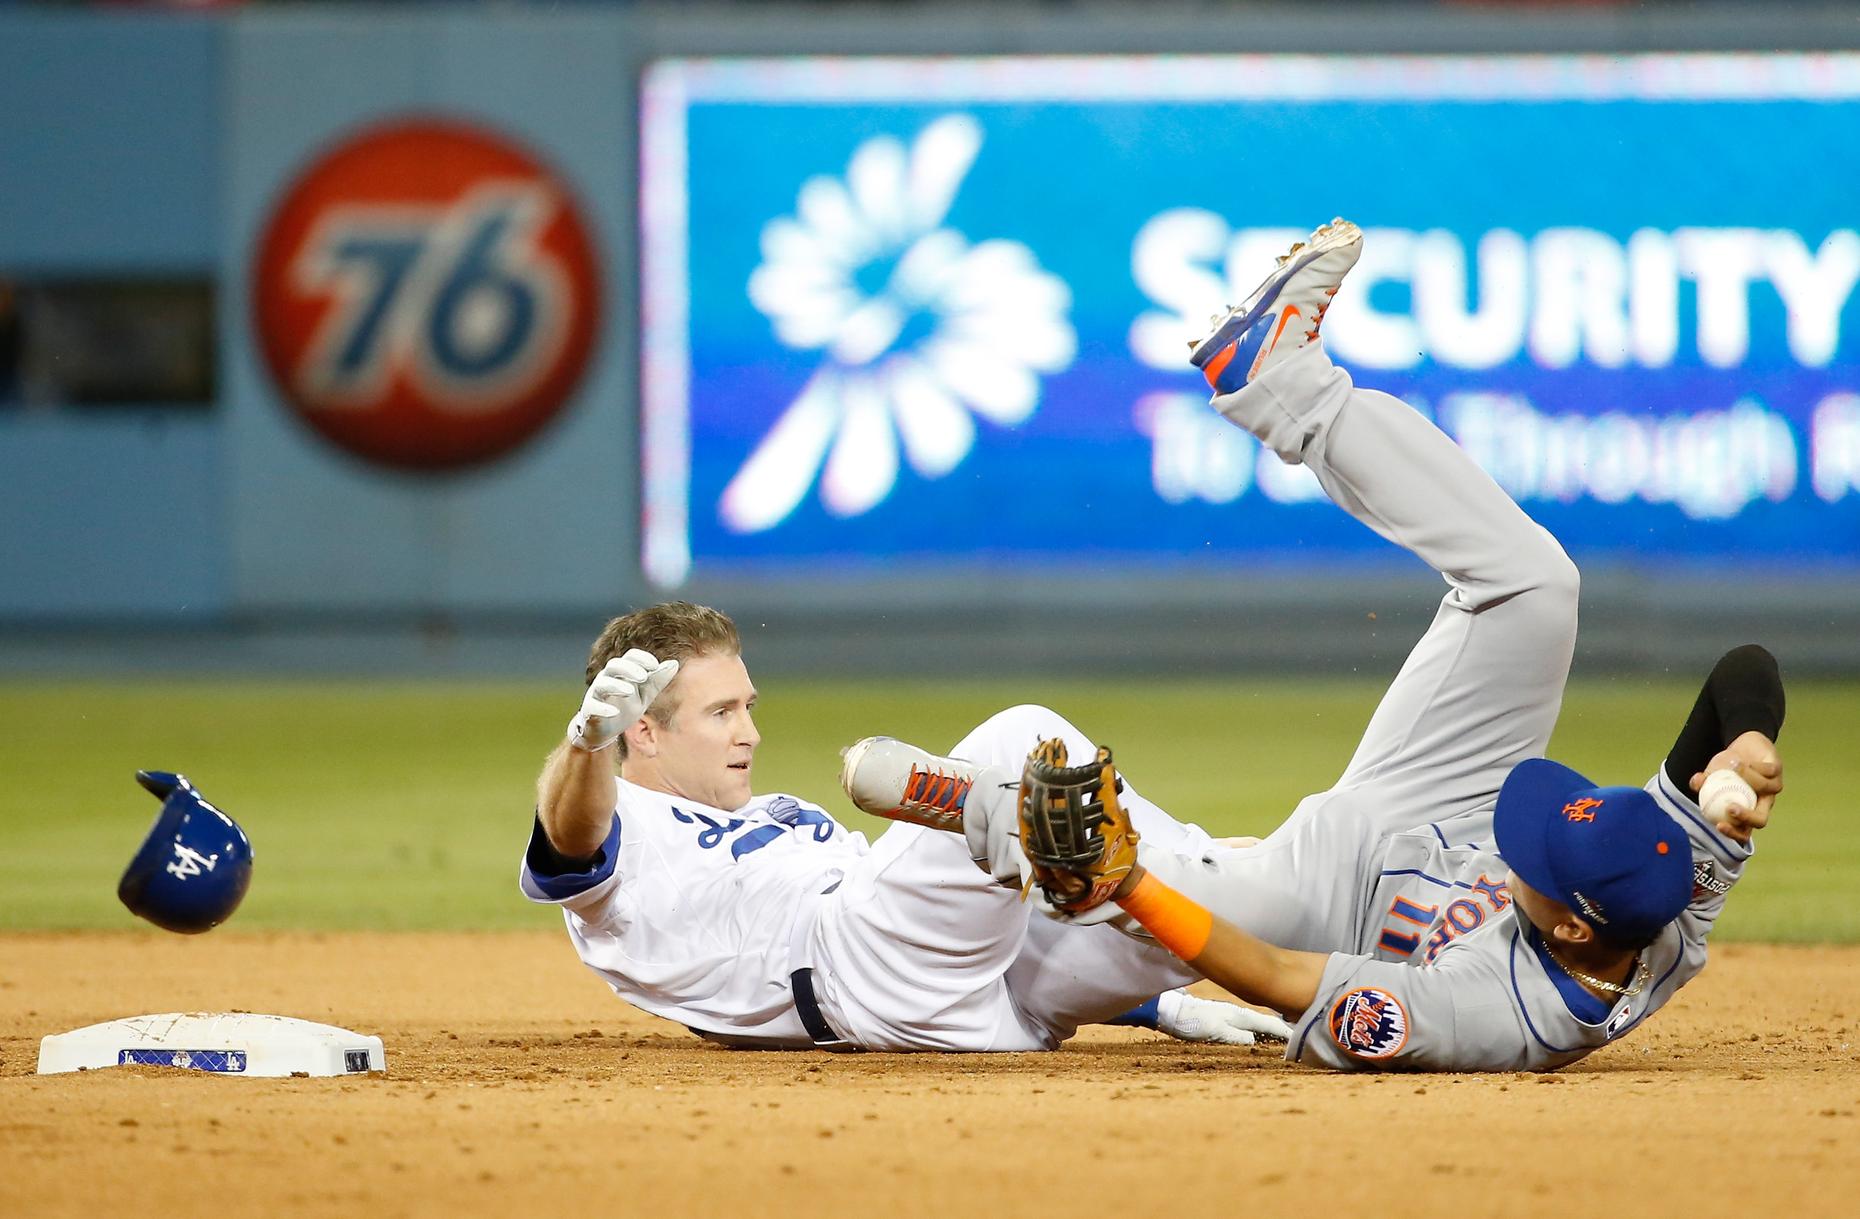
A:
(229, 1043)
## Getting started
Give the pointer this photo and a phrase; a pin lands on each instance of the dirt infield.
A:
(517, 1084)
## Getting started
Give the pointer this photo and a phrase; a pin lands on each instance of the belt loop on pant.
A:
(807, 1006)
(801, 977)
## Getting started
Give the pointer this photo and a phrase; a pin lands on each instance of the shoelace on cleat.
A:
(933, 789)
(1318, 320)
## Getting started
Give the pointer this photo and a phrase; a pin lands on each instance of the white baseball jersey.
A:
(688, 912)
(702, 916)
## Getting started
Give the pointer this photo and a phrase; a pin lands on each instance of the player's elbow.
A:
(1750, 658)
(572, 838)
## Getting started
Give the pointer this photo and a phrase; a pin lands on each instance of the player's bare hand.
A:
(618, 696)
(1753, 758)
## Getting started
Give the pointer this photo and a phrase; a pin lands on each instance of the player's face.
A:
(706, 750)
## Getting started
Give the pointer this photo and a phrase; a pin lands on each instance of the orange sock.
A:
(1179, 923)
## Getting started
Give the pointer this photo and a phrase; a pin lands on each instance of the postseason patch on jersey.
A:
(1706, 881)
(1369, 1023)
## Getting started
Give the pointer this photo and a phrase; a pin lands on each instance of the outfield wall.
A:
(523, 317)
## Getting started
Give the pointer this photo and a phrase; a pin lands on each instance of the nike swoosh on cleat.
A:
(1291, 311)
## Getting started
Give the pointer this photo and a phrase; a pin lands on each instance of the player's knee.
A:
(1555, 583)
(1028, 721)
(1561, 579)
(1006, 736)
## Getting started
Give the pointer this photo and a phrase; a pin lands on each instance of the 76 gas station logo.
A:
(426, 295)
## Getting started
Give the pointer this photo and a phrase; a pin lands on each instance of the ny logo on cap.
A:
(1581, 810)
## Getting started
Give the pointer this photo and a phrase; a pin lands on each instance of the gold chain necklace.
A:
(1642, 971)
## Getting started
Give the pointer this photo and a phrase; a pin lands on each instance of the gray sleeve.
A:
(1459, 1014)
(1717, 865)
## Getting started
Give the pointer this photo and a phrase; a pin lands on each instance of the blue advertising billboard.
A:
(938, 310)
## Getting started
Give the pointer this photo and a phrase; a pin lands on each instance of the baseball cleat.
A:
(888, 778)
(1283, 314)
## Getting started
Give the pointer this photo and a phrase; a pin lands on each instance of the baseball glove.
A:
(1075, 834)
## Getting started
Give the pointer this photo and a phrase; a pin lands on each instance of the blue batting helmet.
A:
(193, 867)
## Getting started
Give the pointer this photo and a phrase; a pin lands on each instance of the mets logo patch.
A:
(426, 294)
(1369, 1023)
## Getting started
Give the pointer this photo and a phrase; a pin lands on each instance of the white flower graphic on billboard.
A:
(920, 330)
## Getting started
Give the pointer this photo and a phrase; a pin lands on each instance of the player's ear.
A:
(642, 739)
(1573, 930)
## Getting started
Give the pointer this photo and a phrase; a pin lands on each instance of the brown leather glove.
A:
(1072, 828)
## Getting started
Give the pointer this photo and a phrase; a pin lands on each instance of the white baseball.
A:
(1722, 791)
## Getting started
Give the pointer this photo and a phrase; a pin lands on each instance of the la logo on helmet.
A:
(425, 294)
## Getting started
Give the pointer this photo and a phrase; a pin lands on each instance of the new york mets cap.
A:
(1611, 854)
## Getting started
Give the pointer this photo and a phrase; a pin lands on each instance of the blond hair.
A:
(674, 630)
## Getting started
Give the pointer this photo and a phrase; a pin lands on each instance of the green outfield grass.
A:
(396, 805)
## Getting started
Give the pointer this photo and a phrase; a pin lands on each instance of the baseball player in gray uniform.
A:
(1455, 901)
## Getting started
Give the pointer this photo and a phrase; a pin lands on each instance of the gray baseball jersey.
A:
(1393, 870)
(1447, 976)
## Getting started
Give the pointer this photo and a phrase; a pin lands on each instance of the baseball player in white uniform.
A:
(761, 921)
(1454, 901)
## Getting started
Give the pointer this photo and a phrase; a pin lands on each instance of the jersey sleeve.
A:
(1459, 1014)
(581, 886)
(1717, 862)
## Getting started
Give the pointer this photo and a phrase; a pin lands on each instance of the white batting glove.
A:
(620, 694)
(1186, 1018)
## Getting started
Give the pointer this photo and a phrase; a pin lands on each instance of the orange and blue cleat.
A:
(1283, 314)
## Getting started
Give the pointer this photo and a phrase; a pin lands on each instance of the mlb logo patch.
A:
(1369, 1023)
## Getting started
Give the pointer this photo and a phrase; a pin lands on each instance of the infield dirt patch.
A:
(518, 1085)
